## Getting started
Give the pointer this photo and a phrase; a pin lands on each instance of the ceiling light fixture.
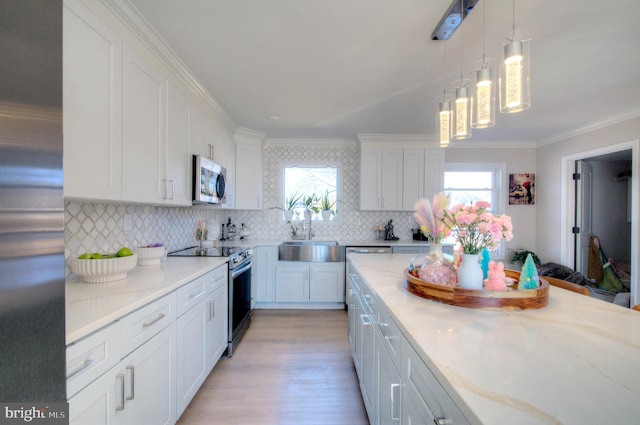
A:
(443, 123)
(461, 128)
(483, 99)
(515, 81)
(452, 19)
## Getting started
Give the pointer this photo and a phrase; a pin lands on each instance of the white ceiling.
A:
(334, 68)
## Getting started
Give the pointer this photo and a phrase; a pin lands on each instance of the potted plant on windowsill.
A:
(310, 203)
(326, 206)
(290, 203)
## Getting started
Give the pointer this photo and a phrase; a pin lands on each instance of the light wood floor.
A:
(291, 367)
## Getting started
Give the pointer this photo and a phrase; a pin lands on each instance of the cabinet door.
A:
(370, 178)
(176, 181)
(191, 361)
(433, 171)
(149, 382)
(92, 87)
(143, 153)
(265, 260)
(217, 325)
(326, 283)
(413, 178)
(96, 404)
(389, 386)
(391, 179)
(248, 175)
(292, 284)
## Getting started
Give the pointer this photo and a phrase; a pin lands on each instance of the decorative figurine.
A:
(529, 275)
(495, 280)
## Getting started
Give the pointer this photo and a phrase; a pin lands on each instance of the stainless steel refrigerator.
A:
(32, 305)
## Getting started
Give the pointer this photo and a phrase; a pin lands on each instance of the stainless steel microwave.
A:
(208, 181)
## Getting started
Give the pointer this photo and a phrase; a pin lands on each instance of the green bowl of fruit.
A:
(98, 268)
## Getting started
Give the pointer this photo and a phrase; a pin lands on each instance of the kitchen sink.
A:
(310, 250)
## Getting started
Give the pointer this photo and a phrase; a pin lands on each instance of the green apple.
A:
(124, 252)
(85, 256)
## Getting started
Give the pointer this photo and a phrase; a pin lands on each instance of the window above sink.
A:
(313, 187)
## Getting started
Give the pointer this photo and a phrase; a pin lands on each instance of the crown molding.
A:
(590, 128)
(310, 142)
(131, 17)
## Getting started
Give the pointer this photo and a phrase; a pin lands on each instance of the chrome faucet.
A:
(308, 214)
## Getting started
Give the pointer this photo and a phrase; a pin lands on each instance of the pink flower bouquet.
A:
(475, 228)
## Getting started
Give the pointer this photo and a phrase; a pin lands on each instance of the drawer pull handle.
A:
(85, 365)
(120, 376)
(133, 384)
(196, 295)
(154, 321)
(440, 421)
(395, 407)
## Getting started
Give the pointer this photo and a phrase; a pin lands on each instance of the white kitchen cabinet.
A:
(201, 332)
(248, 181)
(92, 122)
(140, 388)
(309, 282)
(265, 262)
(143, 130)
(177, 177)
(389, 388)
(381, 179)
(422, 175)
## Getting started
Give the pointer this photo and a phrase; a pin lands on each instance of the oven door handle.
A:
(238, 271)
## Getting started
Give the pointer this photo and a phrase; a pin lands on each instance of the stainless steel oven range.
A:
(239, 286)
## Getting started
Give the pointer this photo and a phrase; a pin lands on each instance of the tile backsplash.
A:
(98, 227)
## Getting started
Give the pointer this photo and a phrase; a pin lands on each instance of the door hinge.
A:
(575, 230)
(576, 176)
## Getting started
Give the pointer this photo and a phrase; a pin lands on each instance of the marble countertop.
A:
(91, 306)
(575, 361)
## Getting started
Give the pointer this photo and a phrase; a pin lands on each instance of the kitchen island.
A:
(576, 361)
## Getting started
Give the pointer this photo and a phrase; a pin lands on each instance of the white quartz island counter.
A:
(90, 306)
(576, 361)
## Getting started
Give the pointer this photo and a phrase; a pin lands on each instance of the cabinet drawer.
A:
(369, 303)
(147, 321)
(191, 294)
(90, 357)
(391, 336)
(427, 392)
(217, 278)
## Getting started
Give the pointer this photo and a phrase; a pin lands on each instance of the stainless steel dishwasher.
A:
(360, 250)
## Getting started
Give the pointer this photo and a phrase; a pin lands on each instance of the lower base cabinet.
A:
(302, 282)
(139, 390)
(397, 386)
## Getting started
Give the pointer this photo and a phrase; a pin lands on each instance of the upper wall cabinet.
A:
(248, 169)
(395, 173)
(143, 153)
(422, 175)
(381, 179)
(177, 177)
(92, 87)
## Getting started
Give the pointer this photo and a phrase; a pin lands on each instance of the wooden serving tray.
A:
(512, 299)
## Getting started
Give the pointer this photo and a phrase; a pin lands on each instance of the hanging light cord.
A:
(484, 35)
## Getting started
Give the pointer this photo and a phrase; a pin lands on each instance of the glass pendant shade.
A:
(461, 128)
(483, 100)
(515, 81)
(443, 123)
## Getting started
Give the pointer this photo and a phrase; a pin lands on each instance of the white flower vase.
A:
(470, 273)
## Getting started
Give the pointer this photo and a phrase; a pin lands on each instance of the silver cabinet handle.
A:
(132, 387)
(440, 421)
(85, 365)
(121, 405)
(395, 407)
(196, 294)
(155, 320)
(172, 188)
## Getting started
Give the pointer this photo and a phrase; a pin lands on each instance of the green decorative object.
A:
(529, 275)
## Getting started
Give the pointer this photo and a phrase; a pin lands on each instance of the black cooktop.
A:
(211, 251)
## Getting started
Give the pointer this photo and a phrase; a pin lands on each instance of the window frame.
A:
(312, 164)
(499, 183)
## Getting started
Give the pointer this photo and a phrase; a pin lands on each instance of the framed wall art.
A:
(522, 189)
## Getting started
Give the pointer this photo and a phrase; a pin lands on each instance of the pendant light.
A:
(461, 128)
(443, 122)
(515, 82)
(483, 98)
